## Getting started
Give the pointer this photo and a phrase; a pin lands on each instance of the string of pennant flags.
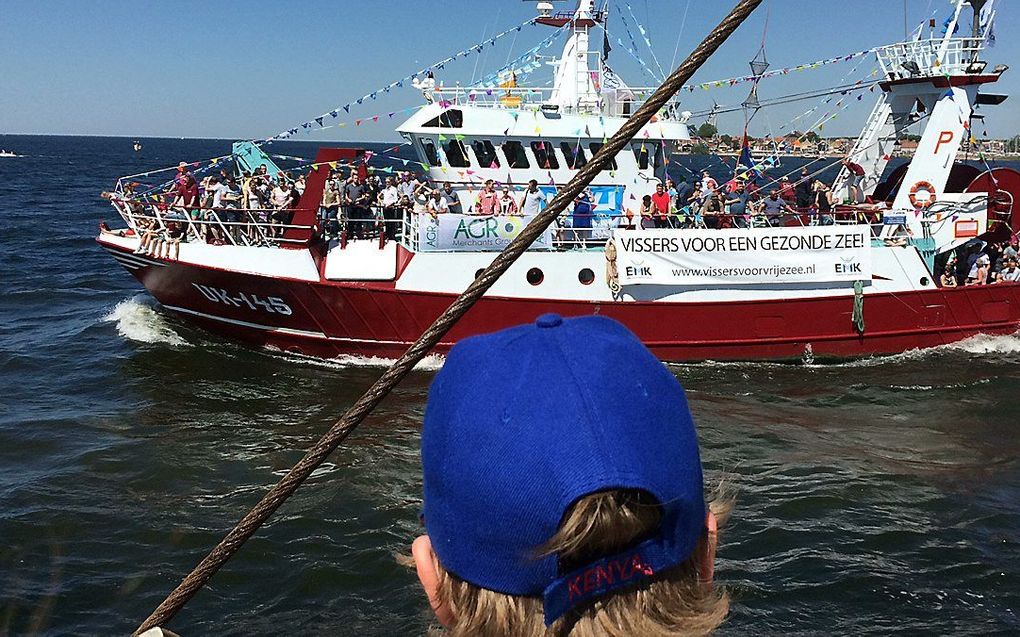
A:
(526, 66)
(637, 58)
(783, 71)
(843, 80)
(335, 112)
(487, 86)
(843, 103)
(648, 42)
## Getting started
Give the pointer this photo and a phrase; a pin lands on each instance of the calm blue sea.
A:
(875, 497)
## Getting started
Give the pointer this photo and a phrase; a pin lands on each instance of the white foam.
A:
(139, 322)
(431, 363)
(989, 344)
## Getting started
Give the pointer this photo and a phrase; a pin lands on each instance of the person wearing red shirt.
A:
(660, 200)
(853, 185)
(786, 190)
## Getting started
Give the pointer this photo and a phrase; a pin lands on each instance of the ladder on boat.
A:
(872, 148)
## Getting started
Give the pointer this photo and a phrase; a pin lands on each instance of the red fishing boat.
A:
(861, 279)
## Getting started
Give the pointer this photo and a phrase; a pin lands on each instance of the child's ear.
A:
(705, 550)
(425, 565)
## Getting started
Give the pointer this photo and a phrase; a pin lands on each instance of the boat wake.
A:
(138, 321)
(431, 363)
(981, 344)
(988, 344)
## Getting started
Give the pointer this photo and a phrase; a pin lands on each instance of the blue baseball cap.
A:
(522, 423)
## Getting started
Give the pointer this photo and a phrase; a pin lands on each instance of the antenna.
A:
(544, 7)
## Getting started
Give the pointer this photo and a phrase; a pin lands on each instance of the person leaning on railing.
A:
(488, 201)
(452, 200)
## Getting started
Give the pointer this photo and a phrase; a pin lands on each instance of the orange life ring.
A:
(922, 204)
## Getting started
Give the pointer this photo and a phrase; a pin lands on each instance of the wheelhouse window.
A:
(428, 148)
(647, 155)
(515, 155)
(545, 155)
(450, 118)
(641, 155)
(456, 153)
(595, 147)
(574, 155)
(485, 153)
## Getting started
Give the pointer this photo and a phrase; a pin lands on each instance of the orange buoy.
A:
(922, 204)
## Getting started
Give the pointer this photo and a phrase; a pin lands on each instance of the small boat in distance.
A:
(7, 153)
(137, 146)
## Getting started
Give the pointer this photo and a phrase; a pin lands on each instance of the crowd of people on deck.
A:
(224, 208)
(982, 263)
(736, 204)
(258, 207)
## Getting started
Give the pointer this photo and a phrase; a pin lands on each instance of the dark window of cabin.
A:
(595, 147)
(456, 154)
(429, 148)
(641, 155)
(545, 155)
(574, 155)
(515, 155)
(450, 118)
(485, 153)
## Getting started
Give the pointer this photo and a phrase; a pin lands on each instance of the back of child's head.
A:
(563, 489)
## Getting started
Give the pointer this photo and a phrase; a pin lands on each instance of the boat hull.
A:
(328, 319)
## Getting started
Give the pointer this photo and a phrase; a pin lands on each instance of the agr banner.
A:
(748, 256)
(474, 233)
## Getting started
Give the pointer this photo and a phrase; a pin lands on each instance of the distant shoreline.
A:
(199, 139)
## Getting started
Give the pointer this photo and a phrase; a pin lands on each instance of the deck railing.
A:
(238, 226)
(929, 58)
(613, 103)
(232, 226)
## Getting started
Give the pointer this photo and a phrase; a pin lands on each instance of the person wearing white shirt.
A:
(1010, 273)
(436, 204)
(388, 199)
(534, 199)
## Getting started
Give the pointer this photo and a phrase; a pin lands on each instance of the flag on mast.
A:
(746, 168)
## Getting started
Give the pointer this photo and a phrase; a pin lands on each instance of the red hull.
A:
(329, 319)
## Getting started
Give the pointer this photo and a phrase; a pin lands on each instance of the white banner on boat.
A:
(473, 233)
(751, 256)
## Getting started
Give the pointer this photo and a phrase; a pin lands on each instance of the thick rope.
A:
(432, 336)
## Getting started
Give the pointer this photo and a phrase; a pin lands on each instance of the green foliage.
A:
(707, 131)
(700, 149)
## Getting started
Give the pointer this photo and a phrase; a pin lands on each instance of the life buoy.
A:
(922, 204)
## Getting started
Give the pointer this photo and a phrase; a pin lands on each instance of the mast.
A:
(574, 86)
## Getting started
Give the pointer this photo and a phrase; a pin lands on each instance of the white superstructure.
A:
(512, 134)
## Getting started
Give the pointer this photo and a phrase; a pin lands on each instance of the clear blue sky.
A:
(246, 70)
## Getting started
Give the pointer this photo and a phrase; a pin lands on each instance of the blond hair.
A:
(672, 602)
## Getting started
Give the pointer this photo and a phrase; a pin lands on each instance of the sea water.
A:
(874, 497)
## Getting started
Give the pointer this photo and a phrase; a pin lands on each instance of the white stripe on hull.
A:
(281, 330)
